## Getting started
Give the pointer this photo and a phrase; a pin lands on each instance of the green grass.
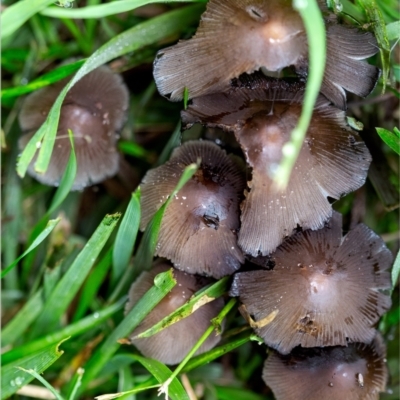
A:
(69, 258)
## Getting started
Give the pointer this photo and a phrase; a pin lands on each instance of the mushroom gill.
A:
(356, 372)
(172, 344)
(94, 110)
(325, 289)
(198, 229)
(333, 160)
(242, 36)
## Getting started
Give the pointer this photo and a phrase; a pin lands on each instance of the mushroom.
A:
(242, 36)
(94, 110)
(323, 289)
(333, 160)
(198, 230)
(172, 344)
(355, 372)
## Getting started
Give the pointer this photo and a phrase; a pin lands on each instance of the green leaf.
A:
(53, 76)
(216, 352)
(133, 39)
(103, 10)
(315, 29)
(67, 179)
(392, 139)
(71, 282)
(205, 296)
(17, 14)
(393, 30)
(229, 393)
(26, 315)
(396, 270)
(126, 236)
(43, 235)
(162, 373)
(45, 383)
(75, 329)
(92, 285)
(163, 284)
(12, 379)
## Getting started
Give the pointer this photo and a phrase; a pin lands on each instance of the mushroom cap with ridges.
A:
(94, 110)
(242, 36)
(333, 160)
(234, 36)
(198, 229)
(356, 372)
(172, 344)
(326, 290)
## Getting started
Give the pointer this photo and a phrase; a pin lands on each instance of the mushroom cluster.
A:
(313, 295)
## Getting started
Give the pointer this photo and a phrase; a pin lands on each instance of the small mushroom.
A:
(323, 289)
(355, 372)
(94, 110)
(242, 36)
(333, 160)
(172, 344)
(198, 230)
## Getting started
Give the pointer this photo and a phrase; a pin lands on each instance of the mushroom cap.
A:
(327, 289)
(345, 69)
(94, 109)
(198, 229)
(333, 160)
(172, 344)
(234, 36)
(356, 372)
(241, 36)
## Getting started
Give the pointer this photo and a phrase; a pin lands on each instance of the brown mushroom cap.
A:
(241, 36)
(172, 344)
(356, 372)
(198, 230)
(234, 36)
(94, 109)
(333, 160)
(326, 290)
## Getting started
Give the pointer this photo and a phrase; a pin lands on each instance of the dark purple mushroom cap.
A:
(234, 36)
(332, 162)
(241, 36)
(95, 110)
(356, 372)
(326, 289)
(171, 345)
(198, 230)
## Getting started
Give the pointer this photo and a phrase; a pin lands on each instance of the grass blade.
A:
(316, 37)
(11, 377)
(47, 230)
(45, 80)
(71, 330)
(205, 296)
(103, 10)
(162, 373)
(17, 14)
(396, 270)
(69, 285)
(126, 236)
(131, 40)
(32, 372)
(163, 284)
(392, 139)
